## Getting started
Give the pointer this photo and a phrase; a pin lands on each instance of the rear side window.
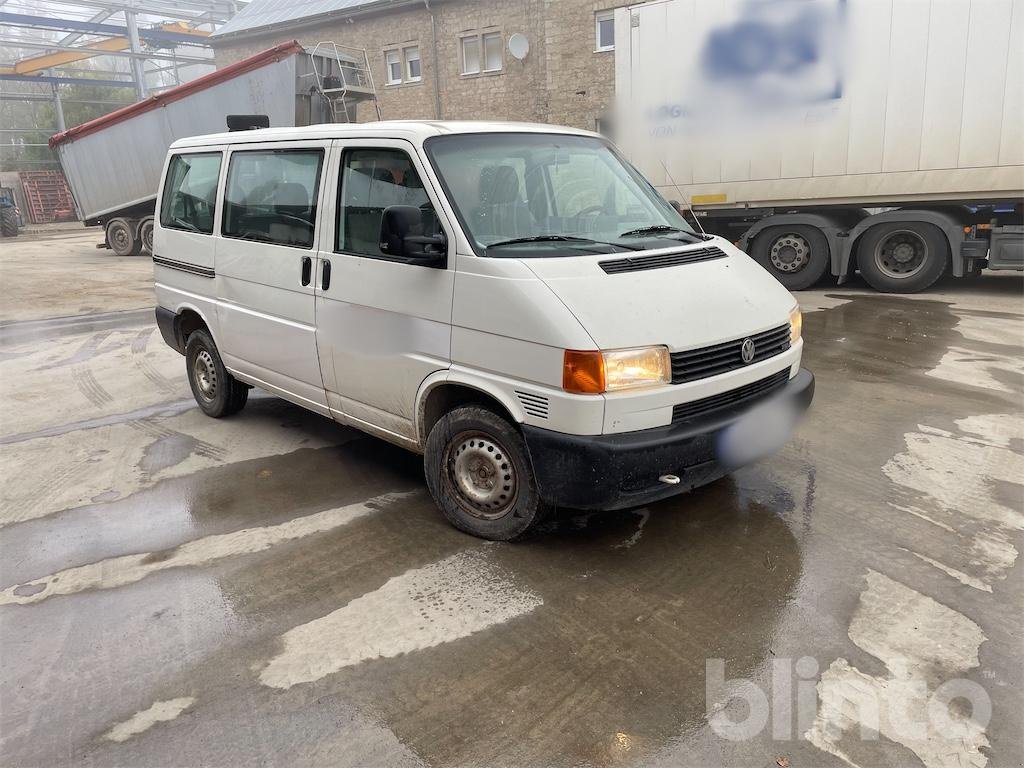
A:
(372, 180)
(190, 192)
(271, 196)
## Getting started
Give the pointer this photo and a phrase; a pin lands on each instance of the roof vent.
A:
(248, 122)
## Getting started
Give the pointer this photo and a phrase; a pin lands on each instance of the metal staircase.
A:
(342, 79)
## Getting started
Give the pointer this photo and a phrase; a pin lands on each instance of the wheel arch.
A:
(184, 319)
(948, 222)
(831, 226)
(446, 390)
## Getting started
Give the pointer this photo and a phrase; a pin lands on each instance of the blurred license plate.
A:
(758, 433)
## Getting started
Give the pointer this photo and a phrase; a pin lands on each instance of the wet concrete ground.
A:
(274, 589)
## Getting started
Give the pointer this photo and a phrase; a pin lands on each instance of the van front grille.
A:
(741, 395)
(658, 261)
(700, 363)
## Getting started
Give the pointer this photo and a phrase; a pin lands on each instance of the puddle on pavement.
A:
(707, 577)
(247, 494)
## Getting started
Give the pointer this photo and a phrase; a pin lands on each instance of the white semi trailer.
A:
(885, 136)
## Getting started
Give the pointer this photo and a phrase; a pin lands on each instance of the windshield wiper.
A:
(652, 230)
(560, 239)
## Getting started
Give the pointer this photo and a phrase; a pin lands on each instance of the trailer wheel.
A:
(903, 257)
(121, 237)
(146, 235)
(796, 255)
(8, 222)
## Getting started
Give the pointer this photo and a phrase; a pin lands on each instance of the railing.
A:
(343, 78)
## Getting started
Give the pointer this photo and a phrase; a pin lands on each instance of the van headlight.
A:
(796, 325)
(592, 372)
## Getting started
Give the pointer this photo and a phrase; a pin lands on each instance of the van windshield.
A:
(544, 194)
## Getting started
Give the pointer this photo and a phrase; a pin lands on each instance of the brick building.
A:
(567, 77)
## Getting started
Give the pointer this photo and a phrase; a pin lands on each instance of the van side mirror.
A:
(401, 236)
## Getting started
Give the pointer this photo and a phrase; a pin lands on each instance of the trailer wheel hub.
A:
(902, 254)
(790, 253)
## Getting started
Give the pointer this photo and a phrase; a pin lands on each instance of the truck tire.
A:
(8, 222)
(479, 472)
(145, 236)
(902, 257)
(121, 237)
(796, 255)
(217, 392)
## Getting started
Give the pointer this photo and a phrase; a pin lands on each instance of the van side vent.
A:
(659, 261)
(535, 405)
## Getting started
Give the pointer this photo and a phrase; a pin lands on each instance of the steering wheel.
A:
(298, 220)
(587, 211)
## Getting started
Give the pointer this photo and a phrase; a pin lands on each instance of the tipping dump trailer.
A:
(113, 163)
(885, 136)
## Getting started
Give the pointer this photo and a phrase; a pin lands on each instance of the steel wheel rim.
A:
(205, 375)
(147, 236)
(790, 253)
(901, 254)
(482, 475)
(121, 237)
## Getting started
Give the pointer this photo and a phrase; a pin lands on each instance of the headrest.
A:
(499, 184)
(292, 195)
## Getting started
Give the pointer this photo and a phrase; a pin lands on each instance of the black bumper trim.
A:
(622, 470)
(170, 329)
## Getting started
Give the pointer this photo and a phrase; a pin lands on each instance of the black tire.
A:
(121, 237)
(8, 222)
(217, 392)
(796, 255)
(483, 449)
(146, 235)
(902, 257)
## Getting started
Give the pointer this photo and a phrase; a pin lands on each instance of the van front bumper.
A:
(618, 471)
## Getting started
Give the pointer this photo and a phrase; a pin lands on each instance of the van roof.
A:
(412, 130)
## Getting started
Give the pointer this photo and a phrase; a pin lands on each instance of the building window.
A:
(492, 52)
(470, 55)
(393, 64)
(413, 72)
(604, 31)
(402, 65)
(482, 53)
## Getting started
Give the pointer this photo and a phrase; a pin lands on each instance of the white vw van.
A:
(515, 302)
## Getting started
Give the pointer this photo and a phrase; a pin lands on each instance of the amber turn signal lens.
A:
(583, 372)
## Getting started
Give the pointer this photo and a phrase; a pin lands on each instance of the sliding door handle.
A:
(307, 269)
(325, 279)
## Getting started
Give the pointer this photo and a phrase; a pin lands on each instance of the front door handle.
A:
(325, 280)
(307, 270)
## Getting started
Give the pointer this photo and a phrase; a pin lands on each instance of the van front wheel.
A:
(479, 473)
(217, 392)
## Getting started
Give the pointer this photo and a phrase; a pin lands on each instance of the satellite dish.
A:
(518, 46)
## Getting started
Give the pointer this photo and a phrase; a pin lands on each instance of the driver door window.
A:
(372, 180)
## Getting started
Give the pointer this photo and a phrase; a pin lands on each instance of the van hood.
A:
(684, 306)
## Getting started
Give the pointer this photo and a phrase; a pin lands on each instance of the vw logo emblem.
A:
(747, 350)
